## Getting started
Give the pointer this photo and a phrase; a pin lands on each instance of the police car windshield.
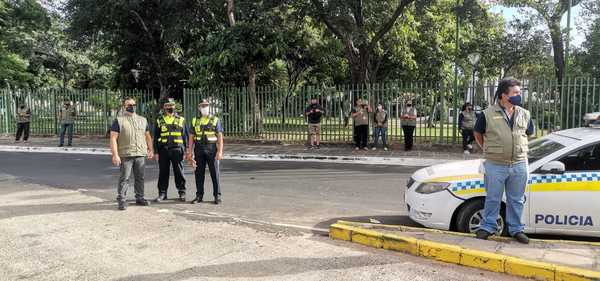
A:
(541, 148)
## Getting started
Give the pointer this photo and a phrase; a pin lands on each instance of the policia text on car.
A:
(205, 147)
(170, 136)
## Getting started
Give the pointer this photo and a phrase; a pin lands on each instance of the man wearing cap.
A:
(205, 147)
(170, 136)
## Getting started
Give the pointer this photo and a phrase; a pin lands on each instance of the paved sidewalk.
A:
(252, 150)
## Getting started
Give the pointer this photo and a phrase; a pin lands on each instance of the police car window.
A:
(541, 148)
(584, 159)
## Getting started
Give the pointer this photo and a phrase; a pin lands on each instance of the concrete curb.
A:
(459, 255)
(415, 162)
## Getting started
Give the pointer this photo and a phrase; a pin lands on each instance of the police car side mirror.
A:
(554, 167)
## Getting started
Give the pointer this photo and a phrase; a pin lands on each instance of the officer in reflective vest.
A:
(206, 148)
(170, 135)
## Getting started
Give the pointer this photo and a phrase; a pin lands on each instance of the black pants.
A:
(168, 157)
(22, 129)
(205, 155)
(408, 136)
(467, 137)
(361, 136)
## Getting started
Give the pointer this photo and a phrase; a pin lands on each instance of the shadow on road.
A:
(263, 268)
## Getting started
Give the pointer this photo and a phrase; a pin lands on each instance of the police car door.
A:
(567, 203)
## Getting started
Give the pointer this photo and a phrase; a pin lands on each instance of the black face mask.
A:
(130, 109)
(22, 106)
(169, 110)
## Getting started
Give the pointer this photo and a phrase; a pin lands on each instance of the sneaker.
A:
(318, 146)
(142, 202)
(366, 148)
(161, 197)
(60, 145)
(466, 152)
(482, 234)
(182, 197)
(217, 201)
(356, 148)
(469, 146)
(374, 148)
(122, 205)
(521, 238)
(385, 148)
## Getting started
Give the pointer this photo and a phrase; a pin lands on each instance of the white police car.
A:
(562, 196)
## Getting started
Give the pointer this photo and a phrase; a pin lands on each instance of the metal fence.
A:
(278, 114)
(95, 109)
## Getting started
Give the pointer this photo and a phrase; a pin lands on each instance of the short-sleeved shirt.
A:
(218, 128)
(481, 126)
(315, 117)
(117, 129)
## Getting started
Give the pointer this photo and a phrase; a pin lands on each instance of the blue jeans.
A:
(66, 128)
(377, 132)
(498, 178)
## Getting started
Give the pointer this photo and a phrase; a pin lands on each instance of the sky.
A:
(577, 35)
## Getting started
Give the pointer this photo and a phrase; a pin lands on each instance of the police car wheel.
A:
(471, 215)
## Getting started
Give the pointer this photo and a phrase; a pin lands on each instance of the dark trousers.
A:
(22, 129)
(408, 136)
(66, 128)
(168, 157)
(361, 136)
(205, 155)
(467, 138)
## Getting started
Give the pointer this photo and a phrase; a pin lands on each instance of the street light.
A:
(474, 60)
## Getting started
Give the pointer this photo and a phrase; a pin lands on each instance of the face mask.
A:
(380, 107)
(169, 110)
(204, 111)
(130, 109)
(515, 100)
(67, 105)
(22, 106)
(409, 105)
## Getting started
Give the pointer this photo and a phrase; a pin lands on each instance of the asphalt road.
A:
(299, 193)
(262, 231)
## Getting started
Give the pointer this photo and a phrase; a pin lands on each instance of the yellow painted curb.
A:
(459, 255)
(529, 269)
(482, 260)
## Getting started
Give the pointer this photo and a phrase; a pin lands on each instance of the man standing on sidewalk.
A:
(170, 136)
(66, 117)
(23, 121)
(205, 147)
(130, 143)
(313, 113)
(380, 124)
(502, 132)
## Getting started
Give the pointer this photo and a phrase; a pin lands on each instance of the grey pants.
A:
(129, 165)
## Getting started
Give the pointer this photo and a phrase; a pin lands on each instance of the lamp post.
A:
(136, 76)
(474, 60)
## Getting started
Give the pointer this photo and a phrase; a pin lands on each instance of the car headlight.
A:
(431, 187)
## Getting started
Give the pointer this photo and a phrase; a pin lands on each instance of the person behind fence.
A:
(205, 147)
(314, 112)
(130, 144)
(23, 122)
(502, 131)
(408, 118)
(360, 114)
(466, 123)
(66, 117)
(170, 139)
(380, 121)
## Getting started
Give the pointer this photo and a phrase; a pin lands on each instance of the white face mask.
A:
(204, 111)
(380, 107)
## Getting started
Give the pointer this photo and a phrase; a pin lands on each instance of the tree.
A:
(360, 26)
(551, 11)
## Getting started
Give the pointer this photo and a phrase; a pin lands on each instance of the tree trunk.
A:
(256, 114)
(558, 47)
(359, 63)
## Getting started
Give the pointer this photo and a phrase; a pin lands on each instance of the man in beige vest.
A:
(23, 121)
(130, 144)
(502, 132)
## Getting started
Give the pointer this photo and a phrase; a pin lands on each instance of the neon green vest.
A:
(171, 130)
(205, 130)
